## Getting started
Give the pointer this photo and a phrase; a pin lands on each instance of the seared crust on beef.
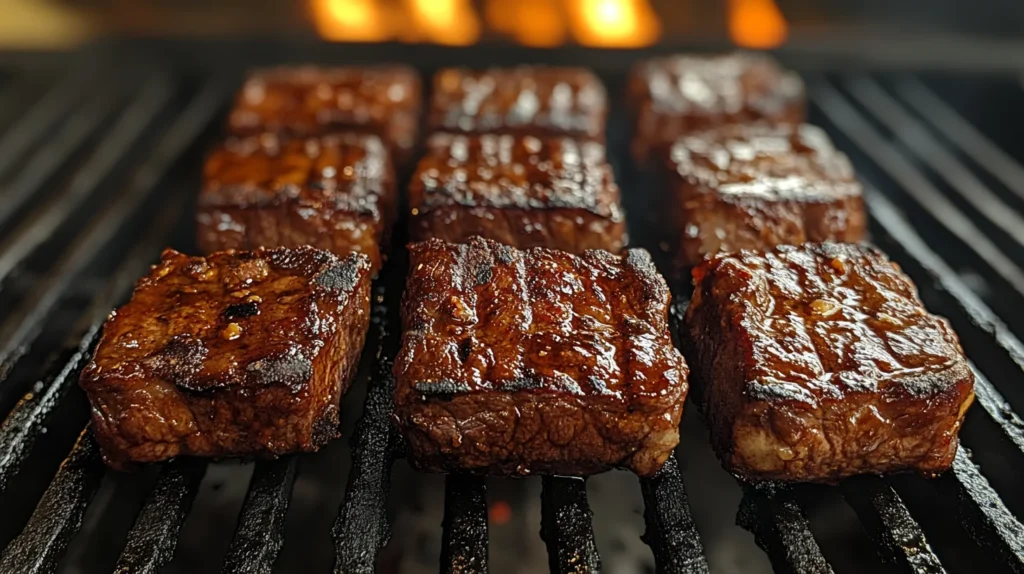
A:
(520, 190)
(234, 354)
(521, 362)
(333, 192)
(308, 101)
(672, 96)
(758, 186)
(819, 362)
(525, 100)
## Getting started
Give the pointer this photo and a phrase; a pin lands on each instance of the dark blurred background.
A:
(52, 24)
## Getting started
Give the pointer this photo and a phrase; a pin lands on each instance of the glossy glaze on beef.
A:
(520, 190)
(526, 100)
(333, 192)
(309, 101)
(673, 96)
(819, 362)
(536, 362)
(234, 354)
(758, 186)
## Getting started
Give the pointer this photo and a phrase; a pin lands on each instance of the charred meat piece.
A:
(527, 100)
(309, 101)
(673, 96)
(234, 354)
(333, 192)
(818, 362)
(755, 187)
(536, 362)
(520, 190)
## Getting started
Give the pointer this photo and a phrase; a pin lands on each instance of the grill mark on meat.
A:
(483, 275)
(291, 368)
(340, 278)
(180, 360)
(526, 382)
(443, 390)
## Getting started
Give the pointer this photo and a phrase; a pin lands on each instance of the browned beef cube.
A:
(527, 100)
(819, 362)
(333, 192)
(673, 96)
(309, 101)
(520, 190)
(755, 187)
(234, 354)
(536, 362)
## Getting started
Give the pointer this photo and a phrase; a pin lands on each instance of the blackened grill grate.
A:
(107, 157)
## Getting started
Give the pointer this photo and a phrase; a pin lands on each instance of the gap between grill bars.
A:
(772, 513)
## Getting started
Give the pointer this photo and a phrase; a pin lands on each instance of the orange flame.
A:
(449, 22)
(538, 23)
(350, 20)
(615, 23)
(757, 24)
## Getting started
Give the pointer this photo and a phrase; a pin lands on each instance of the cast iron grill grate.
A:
(97, 170)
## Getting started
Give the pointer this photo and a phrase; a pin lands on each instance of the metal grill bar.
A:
(986, 517)
(260, 532)
(464, 541)
(362, 529)
(59, 514)
(135, 120)
(46, 162)
(37, 121)
(25, 422)
(24, 326)
(567, 526)
(671, 533)
(914, 184)
(960, 132)
(905, 239)
(916, 137)
(154, 536)
(999, 410)
(780, 528)
(888, 521)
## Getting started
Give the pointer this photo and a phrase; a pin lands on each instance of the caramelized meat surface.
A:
(755, 187)
(333, 192)
(527, 100)
(234, 354)
(536, 362)
(309, 101)
(819, 362)
(520, 190)
(673, 96)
